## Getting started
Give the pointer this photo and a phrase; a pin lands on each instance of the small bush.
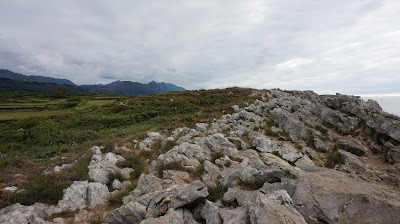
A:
(216, 193)
(333, 159)
(199, 170)
(323, 130)
(175, 165)
(216, 155)
(249, 185)
(115, 175)
(147, 154)
(108, 147)
(310, 139)
(354, 150)
(117, 199)
(44, 188)
(290, 175)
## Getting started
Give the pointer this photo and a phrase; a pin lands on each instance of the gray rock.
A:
(353, 161)
(211, 174)
(321, 145)
(97, 194)
(74, 196)
(238, 215)
(179, 216)
(211, 213)
(393, 155)
(158, 202)
(99, 175)
(82, 194)
(116, 184)
(201, 127)
(12, 188)
(291, 125)
(21, 214)
(304, 162)
(65, 166)
(333, 197)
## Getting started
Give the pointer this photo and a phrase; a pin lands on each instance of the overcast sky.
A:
(351, 47)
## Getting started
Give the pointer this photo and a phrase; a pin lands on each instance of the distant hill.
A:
(32, 78)
(115, 88)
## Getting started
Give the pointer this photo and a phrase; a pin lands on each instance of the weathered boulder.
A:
(265, 207)
(179, 216)
(291, 125)
(323, 195)
(97, 194)
(353, 161)
(157, 203)
(21, 214)
(82, 194)
(393, 155)
(211, 213)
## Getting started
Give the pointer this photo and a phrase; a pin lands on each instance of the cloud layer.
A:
(328, 46)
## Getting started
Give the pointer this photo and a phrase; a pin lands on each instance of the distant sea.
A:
(390, 104)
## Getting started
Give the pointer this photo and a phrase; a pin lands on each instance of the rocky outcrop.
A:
(82, 194)
(328, 196)
(159, 203)
(264, 163)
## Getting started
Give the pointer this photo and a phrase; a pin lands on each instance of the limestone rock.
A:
(74, 196)
(179, 216)
(21, 214)
(158, 202)
(237, 215)
(97, 193)
(211, 213)
(393, 155)
(333, 197)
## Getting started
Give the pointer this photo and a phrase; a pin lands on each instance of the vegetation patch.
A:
(175, 165)
(116, 201)
(354, 150)
(310, 139)
(44, 189)
(216, 193)
(290, 175)
(216, 155)
(251, 186)
(333, 159)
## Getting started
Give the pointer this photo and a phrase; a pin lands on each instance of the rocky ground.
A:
(292, 157)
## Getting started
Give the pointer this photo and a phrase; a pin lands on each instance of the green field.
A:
(36, 130)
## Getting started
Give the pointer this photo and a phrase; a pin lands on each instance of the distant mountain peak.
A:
(33, 78)
(16, 82)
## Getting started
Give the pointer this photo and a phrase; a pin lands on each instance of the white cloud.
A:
(328, 46)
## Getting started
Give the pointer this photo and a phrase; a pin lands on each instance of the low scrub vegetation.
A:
(44, 188)
(244, 185)
(37, 128)
(332, 159)
(117, 199)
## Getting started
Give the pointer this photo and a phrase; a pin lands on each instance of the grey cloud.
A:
(328, 46)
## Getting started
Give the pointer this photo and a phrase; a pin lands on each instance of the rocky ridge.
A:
(290, 157)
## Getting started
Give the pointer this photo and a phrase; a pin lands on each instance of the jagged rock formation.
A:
(291, 157)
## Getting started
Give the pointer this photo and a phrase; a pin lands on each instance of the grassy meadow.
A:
(38, 131)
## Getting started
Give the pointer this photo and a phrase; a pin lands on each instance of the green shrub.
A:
(115, 175)
(310, 139)
(175, 165)
(44, 188)
(290, 175)
(333, 159)
(117, 199)
(249, 185)
(216, 155)
(216, 193)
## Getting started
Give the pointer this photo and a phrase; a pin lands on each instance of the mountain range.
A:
(10, 81)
